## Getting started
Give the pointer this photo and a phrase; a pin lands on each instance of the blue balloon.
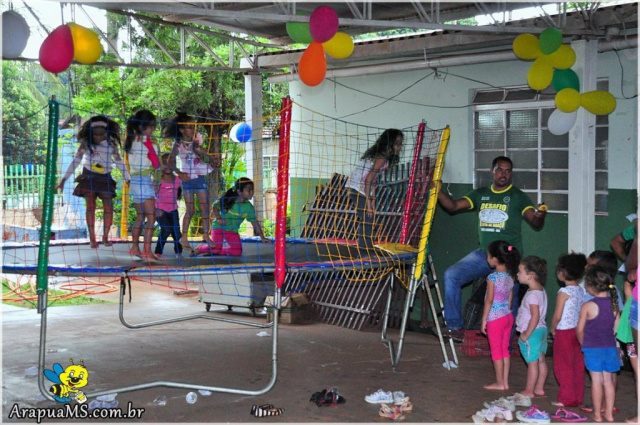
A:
(243, 133)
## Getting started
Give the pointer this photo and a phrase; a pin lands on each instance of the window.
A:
(517, 127)
(270, 171)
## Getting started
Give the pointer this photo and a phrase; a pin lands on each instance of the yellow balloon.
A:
(86, 44)
(340, 46)
(540, 74)
(598, 102)
(563, 58)
(568, 100)
(527, 47)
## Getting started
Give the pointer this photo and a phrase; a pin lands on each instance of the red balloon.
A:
(313, 65)
(56, 52)
(323, 24)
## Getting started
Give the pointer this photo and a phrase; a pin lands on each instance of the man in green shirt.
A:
(501, 208)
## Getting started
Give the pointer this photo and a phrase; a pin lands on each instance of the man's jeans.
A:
(471, 267)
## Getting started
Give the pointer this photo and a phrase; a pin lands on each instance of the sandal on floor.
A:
(390, 412)
(266, 410)
(329, 398)
(405, 407)
(568, 416)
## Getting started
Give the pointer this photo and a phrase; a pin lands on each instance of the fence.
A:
(23, 186)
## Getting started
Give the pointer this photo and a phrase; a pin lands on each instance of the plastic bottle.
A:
(192, 397)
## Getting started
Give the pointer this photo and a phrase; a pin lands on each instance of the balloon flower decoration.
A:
(552, 66)
(321, 32)
(15, 34)
(68, 42)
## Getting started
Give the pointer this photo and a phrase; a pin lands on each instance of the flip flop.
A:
(255, 407)
(392, 413)
(266, 410)
(568, 416)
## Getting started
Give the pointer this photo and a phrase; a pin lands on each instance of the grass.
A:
(53, 300)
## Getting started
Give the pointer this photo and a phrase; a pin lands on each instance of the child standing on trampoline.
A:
(142, 157)
(230, 211)
(99, 150)
(497, 319)
(193, 169)
(362, 181)
(168, 194)
(531, 323)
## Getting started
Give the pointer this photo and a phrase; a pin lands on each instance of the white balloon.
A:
(561, 122)
(15, 34)
(234, 131)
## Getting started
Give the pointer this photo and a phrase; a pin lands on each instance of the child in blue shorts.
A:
(531, 323)
(595, 331)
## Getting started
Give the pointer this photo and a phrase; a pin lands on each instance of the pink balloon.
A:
(323, 23)
(56, 52)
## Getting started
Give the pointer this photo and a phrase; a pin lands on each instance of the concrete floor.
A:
(311, 357)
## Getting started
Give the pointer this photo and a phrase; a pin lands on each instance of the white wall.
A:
(443, 99)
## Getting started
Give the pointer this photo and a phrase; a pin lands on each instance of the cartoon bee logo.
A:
(67, 382)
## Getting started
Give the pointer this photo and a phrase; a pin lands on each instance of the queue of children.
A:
(584, 327)
(156, 185)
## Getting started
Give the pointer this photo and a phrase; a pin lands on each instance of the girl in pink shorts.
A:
(497, 319)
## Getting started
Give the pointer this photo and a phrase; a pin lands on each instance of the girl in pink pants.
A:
(497, 319)
(230, 211)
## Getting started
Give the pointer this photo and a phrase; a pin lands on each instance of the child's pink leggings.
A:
(218, 236)
(499, 334)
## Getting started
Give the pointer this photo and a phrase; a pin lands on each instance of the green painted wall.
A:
(452, 237)
(302, 193)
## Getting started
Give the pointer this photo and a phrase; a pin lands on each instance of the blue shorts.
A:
(197, 185)
(633, 315)
(141, 188)
(601, 359)
(534, 346)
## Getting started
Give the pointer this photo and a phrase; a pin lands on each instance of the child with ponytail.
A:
(497, 319)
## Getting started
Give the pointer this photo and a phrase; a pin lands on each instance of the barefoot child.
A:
(595, 331)
(531, 323)
(230, 211)
(497, 319)
(568, 361)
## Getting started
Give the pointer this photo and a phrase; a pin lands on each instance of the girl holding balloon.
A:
(193, 169)
(98, 152)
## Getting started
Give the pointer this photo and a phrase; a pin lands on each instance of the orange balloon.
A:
(313, 65)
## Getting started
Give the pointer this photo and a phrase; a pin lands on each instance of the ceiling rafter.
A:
(422, 14)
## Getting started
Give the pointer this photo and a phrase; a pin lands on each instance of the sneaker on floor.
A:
(379, 396)
(520, 400)
(533, 415)
(491, 414)
(400, 397)
(502, 402)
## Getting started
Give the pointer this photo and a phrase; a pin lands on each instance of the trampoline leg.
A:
(42, 303)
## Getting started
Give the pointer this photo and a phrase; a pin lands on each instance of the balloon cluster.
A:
(66, 43)
(15, 34)
(321, 32)
(552, 66)
(240, 132)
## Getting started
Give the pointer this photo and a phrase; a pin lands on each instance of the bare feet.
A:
(106, 241)
(597, 418)
(93, 244)
(532, 395)
(135, 252)
(539, 394)
(495, 387)
(184, 241)
(557, 404)
(632, 420)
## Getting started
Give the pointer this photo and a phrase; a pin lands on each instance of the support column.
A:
(582, 156)
(253, 155)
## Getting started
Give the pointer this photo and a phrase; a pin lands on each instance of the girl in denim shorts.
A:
(193, 171)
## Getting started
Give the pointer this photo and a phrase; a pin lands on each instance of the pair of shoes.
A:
(405, 406)
(329, 398)
(491, 414)
(568, 416)
(266, 410)
(520, 400)
(503, 403)
(588, 408)
(399, 397)
(533, 415)
(380, 396)
(391, 412)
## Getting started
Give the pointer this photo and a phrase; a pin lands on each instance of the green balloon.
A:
(565, 79)
(299, 32)
(550, 40)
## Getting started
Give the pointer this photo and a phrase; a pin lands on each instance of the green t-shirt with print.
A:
(234, 217)
(499, 214)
